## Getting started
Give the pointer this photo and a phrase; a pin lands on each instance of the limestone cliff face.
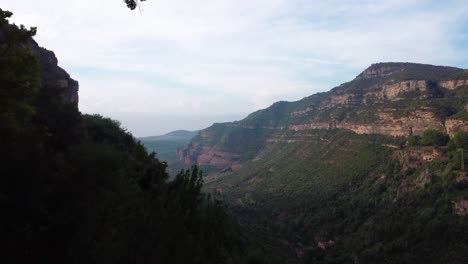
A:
(453, 125)
(386, 124)
(394, 91)
(383, 92)
(389, 91)
(53, 76)
(453, 84)
(391, 99)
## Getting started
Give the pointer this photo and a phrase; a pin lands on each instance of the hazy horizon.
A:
(169, 123)
(185, 65)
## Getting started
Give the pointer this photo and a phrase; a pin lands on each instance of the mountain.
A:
(174, 136)
(166, 147)
(369, 172)
(391, 99)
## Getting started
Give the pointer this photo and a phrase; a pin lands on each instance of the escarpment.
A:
(55, 80)
(385, 123)
(53, 77)
(389, 99)
(453, 84)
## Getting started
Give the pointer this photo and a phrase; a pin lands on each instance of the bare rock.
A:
(453, 84)
(452, 126)
(417, 157)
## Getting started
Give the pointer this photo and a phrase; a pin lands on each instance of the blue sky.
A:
(184, 64)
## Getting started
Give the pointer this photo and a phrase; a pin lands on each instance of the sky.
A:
(185, 64)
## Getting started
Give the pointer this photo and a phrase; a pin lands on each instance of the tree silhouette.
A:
(132, 4)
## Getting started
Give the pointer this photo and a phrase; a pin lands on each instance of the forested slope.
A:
(80, 189)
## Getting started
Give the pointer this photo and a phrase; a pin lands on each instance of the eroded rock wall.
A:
(386, 124)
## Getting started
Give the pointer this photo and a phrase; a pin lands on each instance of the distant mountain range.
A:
(174, 135)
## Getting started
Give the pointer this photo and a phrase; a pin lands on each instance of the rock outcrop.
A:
(394, 91)
(453, 125)
(416, 157)
(386, 124)
(453, 84)
(53, 76)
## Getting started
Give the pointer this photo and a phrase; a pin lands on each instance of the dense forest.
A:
(80, 189)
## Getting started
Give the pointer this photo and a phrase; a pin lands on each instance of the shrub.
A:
(433, 137)
(459, 140)
(413, 140)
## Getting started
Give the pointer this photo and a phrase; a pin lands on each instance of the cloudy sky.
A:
(184, 64)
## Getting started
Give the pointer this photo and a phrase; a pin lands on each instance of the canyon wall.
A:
(390, 99)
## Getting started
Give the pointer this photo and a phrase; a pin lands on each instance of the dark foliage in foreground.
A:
(79, 189)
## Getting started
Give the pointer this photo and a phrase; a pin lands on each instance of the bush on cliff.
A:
(433, 137)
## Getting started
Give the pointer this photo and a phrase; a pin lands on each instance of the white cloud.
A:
(229, 56)
(124, 96)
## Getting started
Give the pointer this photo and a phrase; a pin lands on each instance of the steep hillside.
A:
(362, 173)
(393, 99)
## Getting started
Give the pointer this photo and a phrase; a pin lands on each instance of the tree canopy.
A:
(78, 188)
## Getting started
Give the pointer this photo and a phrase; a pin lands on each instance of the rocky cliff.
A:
(390, 99)
(53, 78)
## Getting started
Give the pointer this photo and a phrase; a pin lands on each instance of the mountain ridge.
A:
(368, 172)
(173, 135)
(391, 99)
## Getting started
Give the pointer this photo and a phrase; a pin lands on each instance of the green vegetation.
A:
(433, 137)
(297, 189)
(430, 137)
(342, 187)
(79, 189)
(458, 147)
(166, 150)
(459, 140)
(166, 147)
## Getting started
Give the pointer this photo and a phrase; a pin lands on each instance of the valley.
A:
(166, 147)
(371, 171)
(354, 174)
